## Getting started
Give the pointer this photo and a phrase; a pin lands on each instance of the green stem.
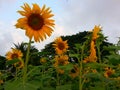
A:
(99, 54)
(16, 72)
(42, 75)
(80, 76)
(81, 67)
(26, 63)
(58, 79)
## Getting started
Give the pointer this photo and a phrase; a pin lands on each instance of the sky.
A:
(71, 17)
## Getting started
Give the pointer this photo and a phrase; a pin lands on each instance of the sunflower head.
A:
(1, 81)
(74, 72)
(36, 21)
(60, 46)
(61, 60)
(60, 71)
(96, 30)
(86, 60)
(108, 72)
(92, 56)
(43, 60)
(14, 54)
(19, 64)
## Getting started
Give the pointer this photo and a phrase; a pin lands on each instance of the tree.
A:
(2, 62)
(80, 38)
(34, 53)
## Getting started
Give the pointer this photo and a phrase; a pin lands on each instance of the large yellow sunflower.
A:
(36, 21)
(60, 45)
(14, 54)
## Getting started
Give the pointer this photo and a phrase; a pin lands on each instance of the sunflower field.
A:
(88, 65)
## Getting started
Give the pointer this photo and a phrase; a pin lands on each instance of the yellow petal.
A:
(46, 15)
(48, 30)
(36, 36)
(43, 8)
(47, 10)
(36, 8)
(27, 8)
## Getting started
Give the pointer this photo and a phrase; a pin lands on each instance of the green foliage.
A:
(10, 62)
(2, 62)
(79, 39)
(44, 76)
(34, 52)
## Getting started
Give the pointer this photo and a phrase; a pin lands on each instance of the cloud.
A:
(8, 36)
(5, 43)
(6, 1)
(84, 15)
(71, 17)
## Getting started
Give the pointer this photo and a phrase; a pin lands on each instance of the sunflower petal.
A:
(41, 36)
(43, 8)
(23, 13)
(48, 30)
(46, 15)
(47, 10)
(36, 8)
(36, 36)
(26, 7)
(29, 33)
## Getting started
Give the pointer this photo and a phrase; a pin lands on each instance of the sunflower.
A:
(60, 71)
(74, 72)
(61, 60)
(92, 57)
(36, 21)
(108, 72)
(1, 82)
(95, 32)
(60, 45)
(19, 64)
(14, 54)
(43, 60)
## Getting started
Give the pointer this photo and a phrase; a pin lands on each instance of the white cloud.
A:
(8, 36)
(72, 16)
(78, 16)
(5, 43)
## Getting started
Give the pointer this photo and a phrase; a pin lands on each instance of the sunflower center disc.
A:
(35, 21)
(14, 56)
(61, 62)
(61, 46)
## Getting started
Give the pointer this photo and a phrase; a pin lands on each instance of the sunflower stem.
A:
(26, 63)
(16, 72)
(58, 79)
(99, 53)
(81, 68)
